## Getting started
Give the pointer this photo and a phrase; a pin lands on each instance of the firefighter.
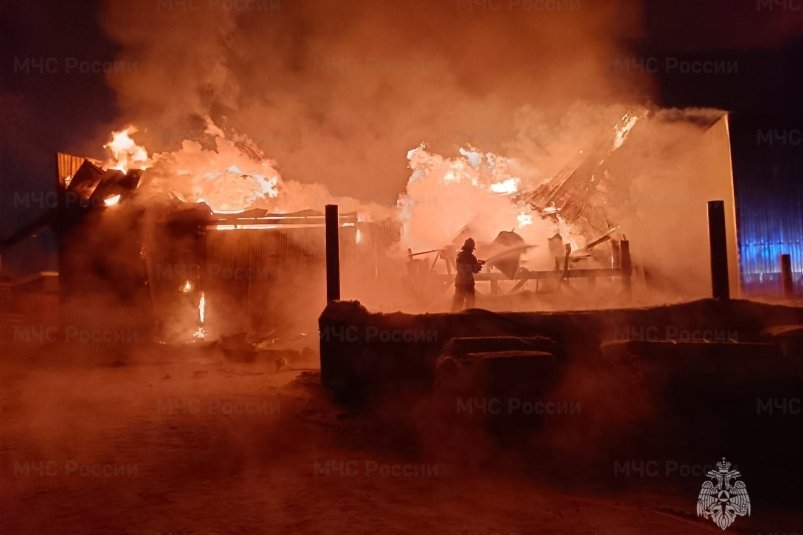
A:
(467, 265)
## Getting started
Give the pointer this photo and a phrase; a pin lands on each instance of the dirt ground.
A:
(183, 441)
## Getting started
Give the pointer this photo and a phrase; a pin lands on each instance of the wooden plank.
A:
(540, 275)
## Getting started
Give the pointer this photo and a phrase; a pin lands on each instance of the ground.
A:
(181, 440)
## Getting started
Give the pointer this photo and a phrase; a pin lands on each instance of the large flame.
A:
(200, 332)
(231, 177)
(624, 127)
(125, 153)
(228, 172)
(445, 195)
(113, 200)
(476, 194)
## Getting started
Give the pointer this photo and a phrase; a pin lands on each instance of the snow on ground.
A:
(182, 441)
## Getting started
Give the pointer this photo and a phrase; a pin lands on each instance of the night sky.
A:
(757, 45)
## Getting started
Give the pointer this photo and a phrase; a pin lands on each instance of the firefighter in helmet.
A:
(467, 265)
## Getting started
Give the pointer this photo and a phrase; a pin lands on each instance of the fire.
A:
(524, 219)
(224, 170)
(232, 190)
(230, 175)
(445, 195)
(125, 151)
(506, 187)
(626, 124)
(487, 171)
(200, 332)
(188, 288)
(112, 200)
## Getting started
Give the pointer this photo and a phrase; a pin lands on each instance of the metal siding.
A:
(257, 269)
(67, 165)
(770, 224)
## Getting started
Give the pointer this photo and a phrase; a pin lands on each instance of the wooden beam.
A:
(720, 286)
(786, 276)
(332, 253)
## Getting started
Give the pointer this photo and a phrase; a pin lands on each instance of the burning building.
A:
(190, 271)
(645, 176)
(209, 241)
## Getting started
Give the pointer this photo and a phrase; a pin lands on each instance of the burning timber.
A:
(180, 272)
(199, 244)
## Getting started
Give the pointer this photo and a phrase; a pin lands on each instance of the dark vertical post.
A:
(786, 276)
(332, 253)
(616, 257)
(720, 286)
(61, 245)
(568, 249)
(627, 267)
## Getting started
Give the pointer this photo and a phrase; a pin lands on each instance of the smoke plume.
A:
(338, 93)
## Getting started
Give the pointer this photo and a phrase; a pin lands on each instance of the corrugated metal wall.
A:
(67, 165)
(769, 198)
(258, 280)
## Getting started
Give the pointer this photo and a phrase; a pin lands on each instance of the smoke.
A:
(648, 183)
(468, 190)
(483, 193)
(291, 106)
(228, 172)
(337, 94)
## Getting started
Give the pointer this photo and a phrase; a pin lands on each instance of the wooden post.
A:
(568, 249)
(786, 276)
(616, 256)
(626, 266)
(332, 253)
(720, 287)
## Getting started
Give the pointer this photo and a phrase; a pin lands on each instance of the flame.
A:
(259, 226)
(447, 194)
(224, 170)
(112, 200)
(200, 332)
(506, 187)
(486, 171)
(229, 175)
(125, 151)
(232, 190)
(628, 122)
